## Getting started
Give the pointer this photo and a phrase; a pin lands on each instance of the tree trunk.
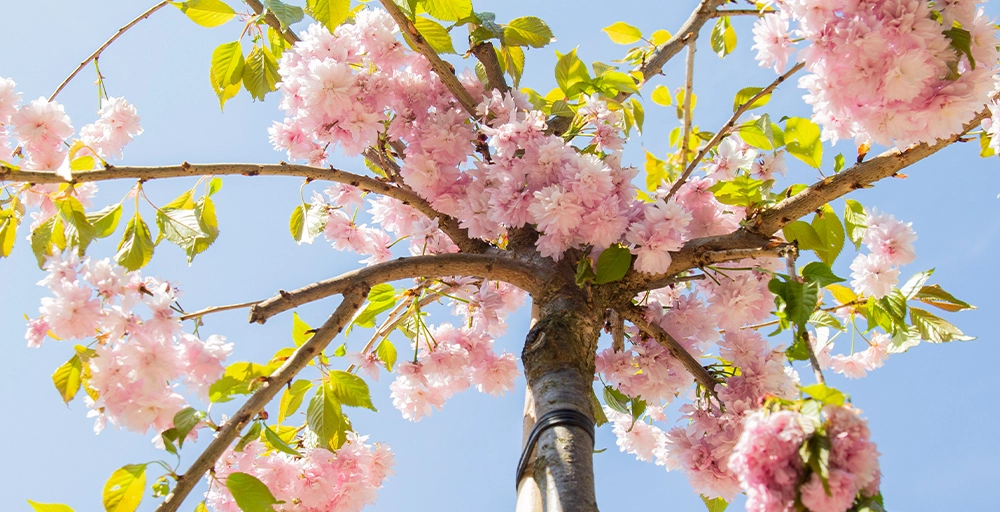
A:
(558, 361)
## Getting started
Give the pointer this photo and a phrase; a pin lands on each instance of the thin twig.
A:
(444, 70)
(636, 315)
(218, 309)
(106, 44)
(447, 223)
(726, 128)
(688, 93)
(353, 299)
(722, 13)
(524, 276)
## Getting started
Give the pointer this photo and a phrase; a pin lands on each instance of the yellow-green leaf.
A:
(448, 10)
(260, 73)
(659, 37)
(527, 31)
(661, 96)
(136, 248)
(226, 71)
(49, 507)
(250, 494)
(802, 137)
(435, 35)
(329, 12)
(123, 491)
(207, 13)
(622, 33)
(67, 378)
(301, 331)
(291, 399)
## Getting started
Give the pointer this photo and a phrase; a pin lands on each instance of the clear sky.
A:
(932, 410)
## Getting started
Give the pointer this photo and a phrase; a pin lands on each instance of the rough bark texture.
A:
(558, 361)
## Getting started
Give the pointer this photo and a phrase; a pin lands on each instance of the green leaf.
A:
(240, 378)
(329, 12)
(185, 421)
(41, 240)
(740, 191)
(527, 31)
(614, 82)
(622, 33)
(935, 296)
(297, 223)
(616, 400)
(831, 234)
(825, 394)
(214, 185)
(599, 417)
(744, 95)
(961, 41)
(286, 14)
(386, 352)
(638, 112)
(915, 283)
(855, 221)
(760, 133)
(613, 264)
(183, 228)
(349, 389)
(656, 172)
(661, 96)
(715, 504)
(514, 61)
(935, 329)
(801, 301)
(260, 74)
(723, 37)
(278, 443)
(105, 221)
(802, 233)
(79, 230)
(820, 273)
(448, 10)
(250, 494)
(570, 72)
(292, 398)
(985, 150)
(49, 507)
(325, 418)
(67, 378)
(584, 272)
(226, 71)
(207, 13)
(802, 138)
(382, 297)
(825, 319)
(204, 211)
(123, 491)
(838, 163)
(136, 248)
(435, 35)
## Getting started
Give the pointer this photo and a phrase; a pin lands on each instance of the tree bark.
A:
(558, 361)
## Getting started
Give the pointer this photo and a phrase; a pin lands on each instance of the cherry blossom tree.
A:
(483, 194)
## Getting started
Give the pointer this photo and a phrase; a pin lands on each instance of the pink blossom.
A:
(890, 238)
(842, 486)
(42, 127)
(872, 275)
(772, 42)
(636, 437)
(9, 99)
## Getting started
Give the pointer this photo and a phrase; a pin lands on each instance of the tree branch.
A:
(444, 70)
(447, 224)
(524, 276)
(637, 316)
(688, 93)
(722, 13)
(217, 309)
(353, 299)
(717, 138)
(487, 55)
(697, 257)
(97, 53)
(272, 21)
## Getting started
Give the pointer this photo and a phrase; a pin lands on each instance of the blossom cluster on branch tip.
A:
(895, 72)
(133, 371)
(320, 481)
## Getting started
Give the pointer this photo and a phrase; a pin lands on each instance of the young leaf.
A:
(105, 221)
(386, 352)
(286, 14)
(935, 296)
(820, 273)
(723, 37)
(329, 12)
(49, 507)
(435, 35)
(301, 332)
(123, 491)
(802, 137)
(831, 235)
(325, 418)
(136, 248)
(661, 96)
(744, 96)
(207, 13)
(250, 494)
(616, 400)
(915, 283)
(622, 33)
(825, 394)
(855, 221)
(183, 228)
(802, 233)
(381, 297)
(278, 443)
(715, 504)
(8, 233)
(226, 71)
(613, 264)
(260, 73)
(935, 329)
(67, 378)
(740, 191)
(571, 71)
(292, 398)
(185, 421)
(349, 389)
(448, 10)
(527, 31)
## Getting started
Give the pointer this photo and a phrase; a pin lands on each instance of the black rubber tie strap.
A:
(547, 421)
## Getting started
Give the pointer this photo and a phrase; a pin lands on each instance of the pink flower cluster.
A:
(853, 366)
(351, 87)
(118, 124)
(891, 244)
(770, 467)
(139, 359)
(320, 481)
(450, 361)
(644, 440)
(703, 448)
(41, 128)
(884, 71)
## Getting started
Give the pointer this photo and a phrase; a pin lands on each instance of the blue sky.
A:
(932, 410)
